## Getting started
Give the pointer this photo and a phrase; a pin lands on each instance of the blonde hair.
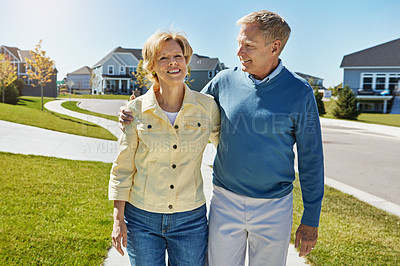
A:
(273, 26)
(153, 45)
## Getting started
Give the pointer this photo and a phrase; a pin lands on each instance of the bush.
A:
(346, 105)
(19, 84)
(11, 94)
(320, 103)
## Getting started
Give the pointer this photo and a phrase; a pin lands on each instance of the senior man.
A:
(265, 110)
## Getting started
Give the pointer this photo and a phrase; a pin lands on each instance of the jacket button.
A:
(171, 186)
(175, 147)
(174, 166)
(198, 124)
(176, 126)
(149, 126)
(170, 206)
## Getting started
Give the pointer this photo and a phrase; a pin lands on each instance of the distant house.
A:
(203, 69)
(81, 79)
(316, 83)
(112, 74)
(374, 75)
(17, 59)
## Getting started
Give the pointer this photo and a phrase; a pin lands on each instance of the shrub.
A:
(19, 84)
(346, 105)
(11, 94)
(320, 103)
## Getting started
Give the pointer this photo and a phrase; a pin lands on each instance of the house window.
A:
(380, 82)
(394, 82)
(367, 82)
(210, 74)
(366, 106)
(122, 70)
(110, 70)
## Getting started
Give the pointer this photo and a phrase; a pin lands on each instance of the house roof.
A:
(19, 54)
(24, 54)
(135, 52)
(13, 51)
(306, 76)
(200, 62)
(82, 71)
(382, 55)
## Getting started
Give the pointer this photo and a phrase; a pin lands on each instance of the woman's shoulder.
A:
(135, 105)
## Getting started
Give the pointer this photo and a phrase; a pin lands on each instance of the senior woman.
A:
(155, 181)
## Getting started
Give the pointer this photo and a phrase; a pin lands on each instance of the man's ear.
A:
(276, 47)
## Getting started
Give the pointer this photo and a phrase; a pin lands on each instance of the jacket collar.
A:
(150, 100)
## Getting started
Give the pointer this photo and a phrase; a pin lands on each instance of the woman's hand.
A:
(119, 234)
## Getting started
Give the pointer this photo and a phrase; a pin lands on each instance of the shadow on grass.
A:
(73, 120)
(23, 102)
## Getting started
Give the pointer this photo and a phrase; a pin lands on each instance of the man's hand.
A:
(119, 234)
(125, 117)
(308, 236)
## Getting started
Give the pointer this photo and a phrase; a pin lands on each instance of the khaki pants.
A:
(235, 222)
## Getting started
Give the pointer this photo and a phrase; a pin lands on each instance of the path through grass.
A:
(28, 112)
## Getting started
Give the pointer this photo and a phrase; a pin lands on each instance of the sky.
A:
(79, 33)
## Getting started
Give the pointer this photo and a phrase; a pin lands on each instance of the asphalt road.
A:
(359, 158)
(364, 160)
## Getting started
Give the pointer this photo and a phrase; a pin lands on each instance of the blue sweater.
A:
(259, 126)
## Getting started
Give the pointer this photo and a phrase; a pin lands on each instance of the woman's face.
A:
(170, 64)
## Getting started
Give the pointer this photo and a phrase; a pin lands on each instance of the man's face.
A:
(255, 56)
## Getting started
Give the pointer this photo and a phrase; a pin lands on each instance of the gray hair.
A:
(273, 26)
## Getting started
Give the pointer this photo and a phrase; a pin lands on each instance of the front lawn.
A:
(53, 211)
(351, 232)
(372, 118)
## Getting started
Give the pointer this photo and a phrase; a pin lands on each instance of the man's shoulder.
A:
(229, 72)
(297, 82)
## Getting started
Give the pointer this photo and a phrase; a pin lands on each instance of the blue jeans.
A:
(183, 234)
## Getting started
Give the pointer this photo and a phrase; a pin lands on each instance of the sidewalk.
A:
(23, 139)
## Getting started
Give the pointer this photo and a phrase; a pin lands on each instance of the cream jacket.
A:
(158, 165)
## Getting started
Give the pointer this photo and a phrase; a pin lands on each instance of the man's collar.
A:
(150, 100)
(274, 73)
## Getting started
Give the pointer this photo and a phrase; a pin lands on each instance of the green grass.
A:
(351, 232)
(28, 112)
(72, 105)
(96, 96)
(372, 118)
(53, 211)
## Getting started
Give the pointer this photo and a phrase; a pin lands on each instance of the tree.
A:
(320, 103)
(140, 75)
(41, 67)
(346, 104)
(8, 74)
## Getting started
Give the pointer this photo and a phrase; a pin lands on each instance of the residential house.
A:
(113, 73)
(17, 59)
(81, 79)
(374, 75)
(316, 83)
(203, 69)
